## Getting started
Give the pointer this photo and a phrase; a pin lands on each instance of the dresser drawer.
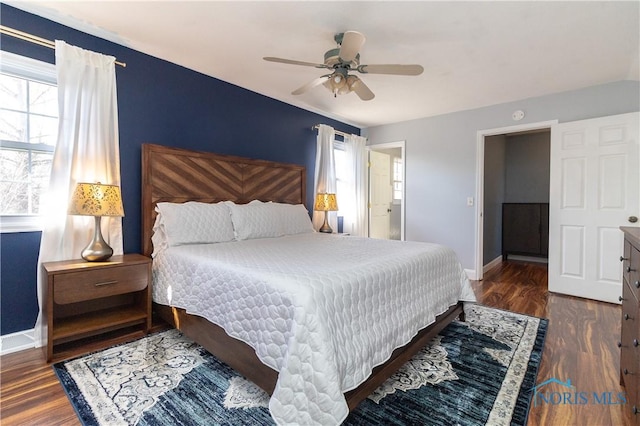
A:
(630, 322)
(629, 348)
(93, 284)
(631, 272)
(630, 336)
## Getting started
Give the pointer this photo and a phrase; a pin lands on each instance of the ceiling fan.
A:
(341, 61)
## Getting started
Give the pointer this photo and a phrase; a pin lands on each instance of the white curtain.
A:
(87, 151)
(356, 156)
(325, 176)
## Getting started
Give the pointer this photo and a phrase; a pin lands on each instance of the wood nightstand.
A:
(89, 298)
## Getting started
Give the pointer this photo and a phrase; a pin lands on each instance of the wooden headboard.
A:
(179, 175)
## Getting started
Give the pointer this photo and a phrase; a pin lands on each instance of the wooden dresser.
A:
(630, 336)
(525, 229)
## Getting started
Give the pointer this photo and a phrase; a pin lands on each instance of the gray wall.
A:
(494, 190)
(527, 168)
(441, 156)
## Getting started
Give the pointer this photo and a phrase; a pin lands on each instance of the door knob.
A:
(633, 219)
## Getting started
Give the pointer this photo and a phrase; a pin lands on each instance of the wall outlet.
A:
(469, 201)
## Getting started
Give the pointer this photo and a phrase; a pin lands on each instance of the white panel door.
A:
(380, 193)
(595, 189)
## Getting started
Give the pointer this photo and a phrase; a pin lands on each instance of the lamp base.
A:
(325, 226)
(98, 250)
(326, 230)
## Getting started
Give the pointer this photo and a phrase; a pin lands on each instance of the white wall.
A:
(441, 156)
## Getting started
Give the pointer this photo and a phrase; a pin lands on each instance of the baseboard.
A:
(495, 262)
(528, 258)
(15, 342)
(471, 274)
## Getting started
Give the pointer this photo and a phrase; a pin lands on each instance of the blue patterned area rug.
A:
(480, 372)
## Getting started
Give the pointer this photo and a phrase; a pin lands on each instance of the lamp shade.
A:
(326, 202)
(96, 199)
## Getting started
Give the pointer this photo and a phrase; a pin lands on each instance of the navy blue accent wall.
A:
(18, 297)
(163, 103)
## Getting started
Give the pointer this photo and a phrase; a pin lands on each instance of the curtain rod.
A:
(35, 39)
(337, 132)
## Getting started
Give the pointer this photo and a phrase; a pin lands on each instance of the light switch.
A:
(469, 201)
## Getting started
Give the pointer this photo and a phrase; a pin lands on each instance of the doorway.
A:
(516, 197)
(493, 211)
(386, 205)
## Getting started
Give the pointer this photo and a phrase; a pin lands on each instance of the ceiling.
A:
(474, 54)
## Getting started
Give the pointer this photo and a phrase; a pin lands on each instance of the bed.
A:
(315, 320)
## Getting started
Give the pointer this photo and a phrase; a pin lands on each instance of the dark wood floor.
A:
(580, 345)
(581, 342)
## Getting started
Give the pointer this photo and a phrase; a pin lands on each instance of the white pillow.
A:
(158, 236)
(195, 223)
(255, 220)
(269, 220)
(295, 219)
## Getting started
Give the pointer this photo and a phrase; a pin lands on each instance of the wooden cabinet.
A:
(525, 229)
(630, 335)
(89, 298)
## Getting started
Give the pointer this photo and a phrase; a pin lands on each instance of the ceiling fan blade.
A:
(310, 85)
(292, 62)
(352, 41)
(395, 69)
(361, 89)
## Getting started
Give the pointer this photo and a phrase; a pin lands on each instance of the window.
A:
(397, 178)
(28, 134)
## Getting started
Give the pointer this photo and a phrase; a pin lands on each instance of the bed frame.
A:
(179, 175)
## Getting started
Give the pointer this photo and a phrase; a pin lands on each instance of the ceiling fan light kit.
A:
(341, 60)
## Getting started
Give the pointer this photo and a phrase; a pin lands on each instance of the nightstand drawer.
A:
(93, 284)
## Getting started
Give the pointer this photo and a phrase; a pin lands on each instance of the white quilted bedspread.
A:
(323, 310)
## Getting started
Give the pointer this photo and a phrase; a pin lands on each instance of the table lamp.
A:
(326, 202)
(96, 199)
